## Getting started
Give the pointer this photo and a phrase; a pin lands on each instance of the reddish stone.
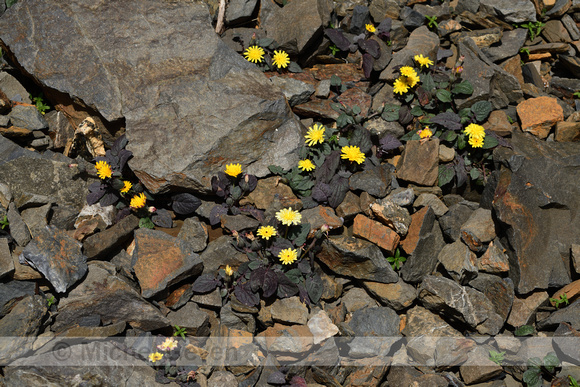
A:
(319, 216)
(567, 131)
(571, 290)
(420, 224)
(287, 339)
(358, 97)
(271, 190)
(176, 295)
(317, 108)
(420, 162)
(375, 232)
(538, 115)
(347, 72)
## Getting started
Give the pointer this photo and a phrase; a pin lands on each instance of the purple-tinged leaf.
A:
(339, 186)
(248, 183)
(405, 116)
(276, 378)
(108, 199)
(501, 141)
(308, 202)
(328, 169)
(303, 294)
(315, 287)
(321, 192)
(245, 295)
(216, 213)
(423, 96)
(279, 245)
(162, 218)
(460, 171)
(95, 196)
(286, 288)
(270, 284)
(184, 203)
(97, 186)
(205, 283)
(298, 381)
(124, 156)
(337, 37)
(389, 143)
(119, 144)
(448, 120)
(257, 214)
(361, 137)
(367, 64)
(257, 278)
(122, 214)
(370, 47)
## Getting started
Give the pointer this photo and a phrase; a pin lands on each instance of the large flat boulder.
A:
(190, 103)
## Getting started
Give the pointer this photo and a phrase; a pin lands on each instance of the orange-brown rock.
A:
(270, 191)
(375, 232)
(539, 115)
(567, 131)
(421, 222)
(572, 292)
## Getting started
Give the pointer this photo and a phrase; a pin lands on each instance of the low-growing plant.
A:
(496, 357)
(524, 330)
(51, 301)
(396, 260)
(432, 22)
(179, 331)
(573, 381)
(540, 369)
(264, 53)
(563, 299)
(38, 101)
(4, 222)
(534, 28)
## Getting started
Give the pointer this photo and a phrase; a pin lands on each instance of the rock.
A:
(219, 253)
(458, 261)
(238, 223)
(36, 218)
(222, 378)
(567, 131)
(511, 42)
(400, 196)
(57, 256)
(236, 320)
(295, 91)
(411, 18)
(498, 123)
(431, 200)
(331, 288)
(564, 341)
(555, 32)
(18, 228)
(194, 232)
(13, 89)
(375, 330)
(500, 291)
(161, 260)
(323, 89)
(398, 296)
(27, 117)
(208, 71)
(109, 296)
(376, 233)
(356, 298)
(349, 207)
(320, 216)
(191, 318)
(478, 229)
(420, 162)
(571, 27)
(107, 241)
(478, 367)
(423, 259)
(482, 38)
(409, 376)
(239, 11)
(289, 311)
(446, 154)
(60, 127)
(537, 211)
(376, 181)
(6, 264)
(518, 11)
(575, 255)
(356, 258)
(392, 215)
(22, 324)
(321, 327)
(291, 340)
(13, 292)
(360, 17)
(524, 309)
(494, 259)
(457, 215)
(271, 195)
(572, 292)
(559, 8)
(570, 314)
(538, 115)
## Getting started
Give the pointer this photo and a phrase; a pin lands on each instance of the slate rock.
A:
(511, 42)
(571, 27)
(356, 298)
(524, 308)
(36, 218)
(478, 367)
(13, 292)
(457, 215)
(392, 215)
(517, 11)
(555, 32)
(13, 89)
(321, 327)
(272, 196)
(482, 38)
(376, 233)
(423, 259)
(411, 18)
(6, 263)
(27, 117)
(400, 196)
(21, 325)
(198, 69)
(356, 258)
(537, 211)
(420, 162)
(349, 207)
(194, 232)
(238, 223)
(295, 91)
(539, 115)
(375, 181)
(235, 320)
(379, 127)
(360, 17)
(194, 320)
(110, 296)
(321, 216)
(223, 378)
(565, 340)
(431, 200)
(398, 296)
(104, 243)
(478, 229)
(219, 253)
(57, 256)
(239, 11)
(567, 131)
(409, 376)
(498, 123)
(375, 330)
(458, 261)
(161, 260)
(18, 229)
(494, 260)
(500, 291)
(290, 340)
(289, 311)
(570, 314)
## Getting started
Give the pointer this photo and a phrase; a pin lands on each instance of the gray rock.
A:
(194, 233)
(222, 378)
(516, 11)
(540, 229)
(360, 17)
(6, 263)
(323, 89)
(13, 89)
(458, 261)
(289, 311)
(494, 260)
(104, 243)
(40, 143)
(392, 215)
(555, 32)
(198, 69)
(295, 91)
(27, 117)
(386, 54)
(401, 196)
(479, 368)
(221, 252)
(57, 256)
(36, 218)
(452, 221)
(356, 298)
(379, 127)
(575, 255)
(236, 320)
(110, 296)
(12, 292)
(570, 314)
(61, 127)
(376, 181)
(467, 5)
(424, 258)
(398, 296)
(322, 327)
(411, 18)
(194, 320)
(431, 200)
(565, 340)
(18, 228)
(511, 42)
(478, 229)
(239, 11)
(19, 328)
(571, 27)
(375, 329)
(500, 291)
(559, 8)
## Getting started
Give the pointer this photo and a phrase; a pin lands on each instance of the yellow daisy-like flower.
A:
(306, 165)
(370, 28)
(126, 186)
(233, 169)
(315, 135)
(474, 130)
(411, 80)
(254, 54)
(168, 345)
(288, 256)
(266, 232)
(400, 86)
(103, 169)
(423, 61)
(408, 71)
(352, 153)
(425, 133)
(229, 271)
(155, 357)
(476, 142)
(138, 201)
(280, 59)
(288, 216)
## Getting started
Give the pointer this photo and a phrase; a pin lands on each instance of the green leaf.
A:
(490, 142)
(299, 233)
(335, 80)
(481, 110)
(446, 174)
(356, 109)
(293, 67)
(551, 361)
(465, 113)
(314, 287)
(461, 142)
(276, 170)
(464, 87)
(474, 173)
(337, 107)
(146, 223)
(417, 111)
(427, 82)
(254, 265)
(343, 141)
(449, 135)
(443, 95)
(391, 112)
(265, 42)
(532, 377)
(294, 275)
(524, 330)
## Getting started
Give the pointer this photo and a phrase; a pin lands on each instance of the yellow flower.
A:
(400, 86)
(155, 357)
(168, 345)
(229, 271)
(370, 28)
(288, 256)
(103, 169)
(476, 142)
(425, 133)
(254, 54)
(423, 61)
(126, 187)
(352, 153)
(266, 232)
(138, 201)
(306, 165)
(280, 59)
(233, 169)
(411, 80)
(474, 130)
(288, 216)
(315, 135)
(408, 71)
